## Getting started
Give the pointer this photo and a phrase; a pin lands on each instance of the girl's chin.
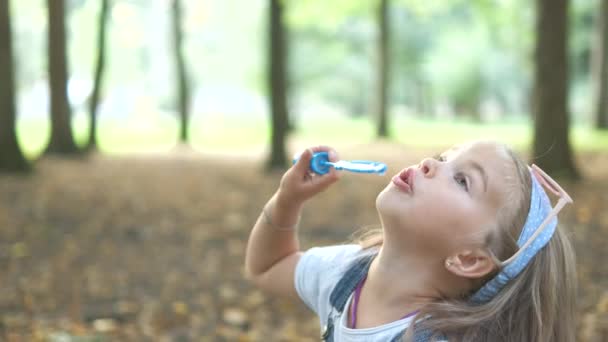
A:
(388, 211)
(390, 200)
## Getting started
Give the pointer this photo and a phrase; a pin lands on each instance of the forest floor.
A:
(151, 247)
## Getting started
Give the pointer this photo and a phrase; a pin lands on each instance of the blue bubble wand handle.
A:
(320, 164)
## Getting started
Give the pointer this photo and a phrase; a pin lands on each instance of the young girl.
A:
(469, 250)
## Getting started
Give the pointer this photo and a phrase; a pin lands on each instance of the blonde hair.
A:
(538, 305)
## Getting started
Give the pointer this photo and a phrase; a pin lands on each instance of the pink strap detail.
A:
(353, 310)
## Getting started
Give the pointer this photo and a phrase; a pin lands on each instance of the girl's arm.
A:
(273, 249)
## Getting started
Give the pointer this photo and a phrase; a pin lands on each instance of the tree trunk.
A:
(600, 68)
(551, 150)
(99, 72)
(62, 141)
(383, 68)
(11, 158)
(277, 82)
(183, 86)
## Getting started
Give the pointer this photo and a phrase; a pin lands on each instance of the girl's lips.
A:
(404, 180)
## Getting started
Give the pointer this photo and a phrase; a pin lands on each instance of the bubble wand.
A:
(320, 164)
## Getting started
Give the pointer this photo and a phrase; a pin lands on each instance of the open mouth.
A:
(404, 180)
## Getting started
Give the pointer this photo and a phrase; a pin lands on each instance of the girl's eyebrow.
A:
(482, 172)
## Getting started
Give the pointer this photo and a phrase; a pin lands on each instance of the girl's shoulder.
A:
(318, 271)
(330, 261)
(335, 254)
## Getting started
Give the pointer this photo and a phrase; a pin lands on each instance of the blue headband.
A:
(540, 206)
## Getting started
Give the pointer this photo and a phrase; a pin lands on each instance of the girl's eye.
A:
(462, 181)
(439, 157)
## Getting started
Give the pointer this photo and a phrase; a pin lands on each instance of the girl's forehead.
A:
(479, 150)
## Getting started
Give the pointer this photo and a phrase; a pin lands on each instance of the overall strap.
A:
(343, 289)
(349, 281)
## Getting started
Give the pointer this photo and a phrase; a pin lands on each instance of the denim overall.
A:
(344, 288)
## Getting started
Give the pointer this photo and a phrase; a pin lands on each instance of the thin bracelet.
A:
(269, 222)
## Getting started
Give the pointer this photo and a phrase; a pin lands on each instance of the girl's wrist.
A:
(282, 213)
(286, 202)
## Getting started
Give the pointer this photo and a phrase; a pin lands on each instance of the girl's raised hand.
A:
(299, 183)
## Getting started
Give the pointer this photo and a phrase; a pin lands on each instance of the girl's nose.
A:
(428, 166)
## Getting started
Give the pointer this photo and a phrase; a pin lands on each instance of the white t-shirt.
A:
(317, 272)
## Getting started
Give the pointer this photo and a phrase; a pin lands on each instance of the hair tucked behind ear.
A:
(538, 305)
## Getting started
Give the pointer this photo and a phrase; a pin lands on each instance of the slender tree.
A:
(551, 146)
(277, 53)
(383, 68)
(183, 85)
(11, 158)
(600, 68)
(62, 141)
(99, 73)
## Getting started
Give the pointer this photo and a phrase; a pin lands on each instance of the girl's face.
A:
(449, 200)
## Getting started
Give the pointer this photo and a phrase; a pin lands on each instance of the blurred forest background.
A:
(139, 140)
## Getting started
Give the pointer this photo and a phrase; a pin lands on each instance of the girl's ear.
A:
(470, 264)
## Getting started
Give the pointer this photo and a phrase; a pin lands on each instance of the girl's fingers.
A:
(303, 162)
(307, 181)
(320, 182)
(320, 148)
(332, 154)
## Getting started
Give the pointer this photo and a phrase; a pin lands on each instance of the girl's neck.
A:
(398, 278)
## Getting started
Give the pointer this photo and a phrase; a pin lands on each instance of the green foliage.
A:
(459, 54)
(583, 18)
(455, 71)
(326, 16)
(29, 23)
(456, 54)
(342, 75)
